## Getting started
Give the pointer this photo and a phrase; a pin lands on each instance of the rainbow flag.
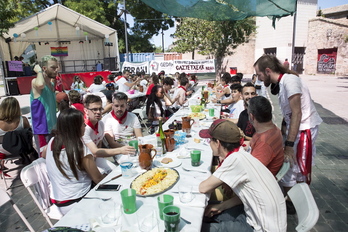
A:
(59, 51)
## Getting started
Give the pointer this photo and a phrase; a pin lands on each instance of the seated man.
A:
(120, 123)
(267, 143)
(237, 105)
(180, 93)
(94, 132)
(259, 204)
(248, 91)
(123, 83)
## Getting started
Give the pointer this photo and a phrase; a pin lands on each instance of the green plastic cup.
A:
(211, 112)
(195, 158)
(163, 201)
(171, 217)
(133, 143)
(128, 200)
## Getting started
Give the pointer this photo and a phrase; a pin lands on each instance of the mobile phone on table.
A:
(108, 187)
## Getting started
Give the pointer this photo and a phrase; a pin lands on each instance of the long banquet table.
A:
(86, 213)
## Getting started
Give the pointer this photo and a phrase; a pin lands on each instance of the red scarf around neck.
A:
(119, 119)
(182, 87)
(94, 128)
(228, 154)
(280, 77)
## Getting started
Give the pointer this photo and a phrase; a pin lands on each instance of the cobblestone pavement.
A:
(330, 173)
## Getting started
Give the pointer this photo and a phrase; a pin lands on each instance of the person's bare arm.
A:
(107, 152)
(39, 81)
(90, 166)
(137, 132)
(111, 140)
(182, 97)
(212, 210)
(209, 184)
(296, 116)
(130, 85)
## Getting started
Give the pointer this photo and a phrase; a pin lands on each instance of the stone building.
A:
(327, 50)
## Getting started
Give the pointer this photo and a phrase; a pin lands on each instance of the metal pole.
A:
(125, 29)
(162, 41)
(293, 40)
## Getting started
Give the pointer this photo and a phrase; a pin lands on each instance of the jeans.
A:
(232, 219)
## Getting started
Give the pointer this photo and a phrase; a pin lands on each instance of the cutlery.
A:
(101, 198)
(112, 179)
(187, 222)
(194, 170)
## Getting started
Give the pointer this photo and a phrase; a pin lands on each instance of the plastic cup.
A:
(185, 193)
(171, 217)
(126, 168)
(211, 112)
(128, 200)
(195, 158)
(133, 143)
(163, 201)
(109, 212)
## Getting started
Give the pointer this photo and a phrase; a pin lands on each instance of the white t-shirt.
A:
(236, 109)
(121, 85)
(91, 136)
(95, 88)
(112, 126)
(289, 86)
(178, 91)
(254, 184)
(143, 83)
(61, 187)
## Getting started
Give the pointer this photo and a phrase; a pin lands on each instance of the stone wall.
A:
(326, 33)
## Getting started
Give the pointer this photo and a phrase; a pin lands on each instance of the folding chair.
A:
(4, 198)
(306, 208)
(282, 171)
(3, 175)
(35, 174)
(141, 113)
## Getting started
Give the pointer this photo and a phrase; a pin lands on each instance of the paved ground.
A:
(330, 173)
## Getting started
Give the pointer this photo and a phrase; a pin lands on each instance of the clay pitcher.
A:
(169, 141)
(145, 158)
(186, 124)
(169, 133)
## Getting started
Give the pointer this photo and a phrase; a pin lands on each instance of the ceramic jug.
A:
(145, 157)
(170, 142)
(186, 125)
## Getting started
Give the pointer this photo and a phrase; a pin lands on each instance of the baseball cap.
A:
(223, 130)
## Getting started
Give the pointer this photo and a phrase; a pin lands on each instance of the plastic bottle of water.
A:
(159, 147)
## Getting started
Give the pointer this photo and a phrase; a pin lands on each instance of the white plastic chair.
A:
(306, 208)
(4, 198)
(283, 170)
(10, 158)
(141, 112)
(30, 177)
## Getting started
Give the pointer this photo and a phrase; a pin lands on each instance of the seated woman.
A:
(226, 91)
(75, 101)
(11, 119)
(70, 165)
(155, 106)
(78, 84)
(97, 85)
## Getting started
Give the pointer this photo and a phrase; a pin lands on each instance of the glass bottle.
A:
(162, 137)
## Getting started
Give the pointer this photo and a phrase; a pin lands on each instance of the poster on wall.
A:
(59, 51)
(187, 66)
(327, 60)
(15, 66)
(136, 67)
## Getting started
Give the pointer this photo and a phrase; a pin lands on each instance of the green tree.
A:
(215, 38)
(7, 14)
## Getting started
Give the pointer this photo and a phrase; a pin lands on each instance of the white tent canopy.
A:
(61, 26)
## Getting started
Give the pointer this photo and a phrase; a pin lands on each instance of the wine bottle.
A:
(162, 137)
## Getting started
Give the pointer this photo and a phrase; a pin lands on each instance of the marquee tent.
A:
(59, 26)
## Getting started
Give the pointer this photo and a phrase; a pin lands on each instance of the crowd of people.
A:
(93, 121)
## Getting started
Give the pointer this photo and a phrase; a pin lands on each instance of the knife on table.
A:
(113, 178)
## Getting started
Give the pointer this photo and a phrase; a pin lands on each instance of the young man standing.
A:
(43, 100)
(94, 132)
(258, 204)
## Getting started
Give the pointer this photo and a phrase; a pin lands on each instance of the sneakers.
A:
(290, 208)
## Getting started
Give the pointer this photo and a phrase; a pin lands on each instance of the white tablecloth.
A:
(87, 210)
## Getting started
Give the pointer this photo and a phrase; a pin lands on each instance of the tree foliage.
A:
(147, 21)
(214, 38)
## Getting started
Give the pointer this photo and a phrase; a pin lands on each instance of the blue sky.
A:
(157, 40)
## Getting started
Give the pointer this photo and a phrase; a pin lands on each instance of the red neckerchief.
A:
(94, 128)
(228, 154)
(225, 86)
(280, 77)
(304, 156)
(182, 87)
(119, 119)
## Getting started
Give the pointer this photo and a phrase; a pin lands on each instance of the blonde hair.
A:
(10, 110)
(46, 58)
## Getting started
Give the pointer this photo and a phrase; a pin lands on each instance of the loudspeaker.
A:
(110, 64)
(13, 87)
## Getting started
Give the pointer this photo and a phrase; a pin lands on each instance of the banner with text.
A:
(136, 67)
(16, 66)
(187, 66)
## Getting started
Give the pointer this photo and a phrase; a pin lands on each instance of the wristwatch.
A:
(289, 143)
